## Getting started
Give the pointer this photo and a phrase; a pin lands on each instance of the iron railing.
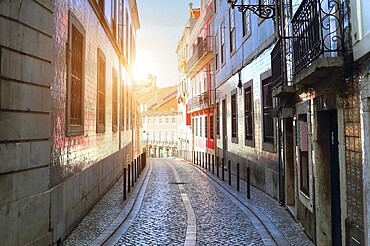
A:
(277, 64)
(317, 30)
(205, 46)
(203, 101)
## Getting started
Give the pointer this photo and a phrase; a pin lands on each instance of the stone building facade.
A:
(68, 117)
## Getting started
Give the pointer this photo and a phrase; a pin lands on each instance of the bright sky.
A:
(162, 23)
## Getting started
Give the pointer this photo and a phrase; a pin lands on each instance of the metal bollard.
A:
(248, 182)
(217, 164)
(136, 162)
(237, 177)
(124, 183)
(205, 160)
(213, 164)
(128, 178)
(209, 162)
(229, 169)
(132, 174)
(223, 169)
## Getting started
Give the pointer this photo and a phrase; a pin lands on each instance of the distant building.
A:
(68, 117)
(195, 56)
(160, 122)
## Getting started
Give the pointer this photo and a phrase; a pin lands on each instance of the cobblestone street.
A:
(175, 191)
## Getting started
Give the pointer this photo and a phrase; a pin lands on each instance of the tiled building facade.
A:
(244, 124)
(68, 116)
(291, 104)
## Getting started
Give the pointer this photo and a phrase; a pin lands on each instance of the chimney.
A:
(191, 10)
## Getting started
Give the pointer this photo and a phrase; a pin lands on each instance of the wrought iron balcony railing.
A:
(205, 46)
(317, 31)
(203, 101)
(278, 65)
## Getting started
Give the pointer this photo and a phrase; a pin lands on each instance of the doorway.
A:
(224, 130)
(328, 184)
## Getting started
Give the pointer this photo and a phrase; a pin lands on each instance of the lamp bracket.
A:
(262, 11)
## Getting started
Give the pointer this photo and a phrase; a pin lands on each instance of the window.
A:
(100, 116)
(160, 120)
(101, 5)
(114, 19)
(211, 127)
(173, 120)
(196, 127)
(154, 120)
(268, 126)
(234, 118)
(127, 108)
(120, 22)
(122, 113)
(114, 101)
(167, 119)
(154, 135)
(246, 21)
(126, 36)
(144, 120)
(218, 120)
(232, 29)
(223, 48)
(160, 135)
(173, 135)
(167, 135)
(200, 127)
(216, 52)
(302, 141)
(206, 127)
(248, 114)
(76, 76)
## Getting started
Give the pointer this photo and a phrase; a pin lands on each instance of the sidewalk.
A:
(269, 206)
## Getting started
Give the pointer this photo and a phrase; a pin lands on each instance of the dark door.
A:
(224, 130)
(334, 178)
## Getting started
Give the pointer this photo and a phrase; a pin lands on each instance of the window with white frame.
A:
(160, 137)
(232, 29)
(166, 135)
(246, 21)
(223, 47)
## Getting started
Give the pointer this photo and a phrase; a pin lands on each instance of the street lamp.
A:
(263, 11)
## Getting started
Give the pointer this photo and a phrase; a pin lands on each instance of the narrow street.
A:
(181, 204)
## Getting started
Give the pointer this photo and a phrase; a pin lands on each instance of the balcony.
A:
(281, 84)
(202, 53)
(203, 101)
(317, 41)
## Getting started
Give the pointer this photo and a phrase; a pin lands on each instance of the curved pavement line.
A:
(113, 233)
(268, 231)
(191, 225)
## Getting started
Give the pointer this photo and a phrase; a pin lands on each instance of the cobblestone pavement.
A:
(99, 218)
(220, 221)
(162, 219)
